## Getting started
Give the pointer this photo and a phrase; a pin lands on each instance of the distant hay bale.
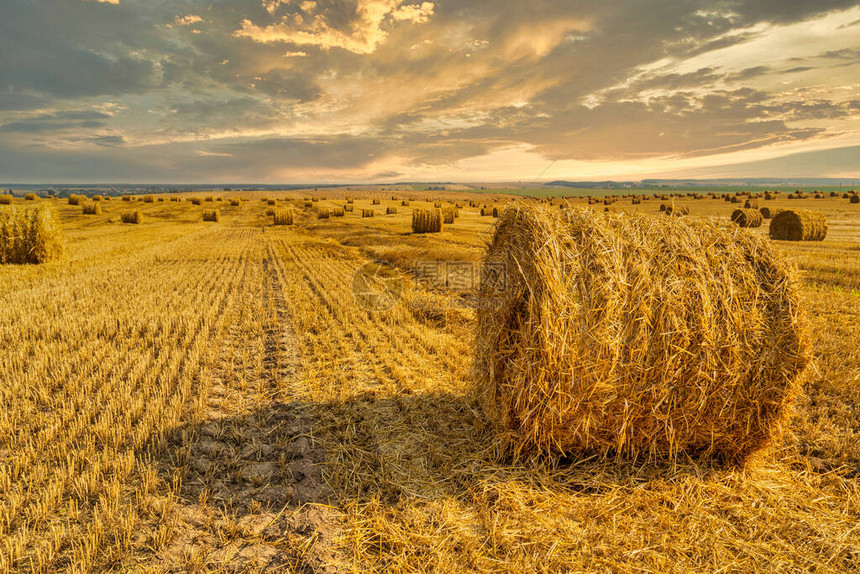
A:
(636, 201)
(751, 204)
(126, 198)
(76, 199)
(349, 208)
(854, 199)
(323, 213)
(195, 201)
(175, 199)
(390, 211)
(213, 215)
(767, 212)
(315, 199)
(634, 336)
(747, 217)
(149, 199)
(98, 198)
(768, 196)
(282, 217)
(132, 216)
(33, 197)
(338, 212)
(735, 199)
(271, 202)
(677, 211)
(29, 235)
(350, 200)
(367, 213)
(376, 202)
(235, 203)
(270, 211)
(6, 199)
(404, 203)
(209, 198)
(662, 207)
(91, 208)
(448, 215)
(798, 225)
(495, 212)
(427, 220)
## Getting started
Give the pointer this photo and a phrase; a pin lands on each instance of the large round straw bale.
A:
(854, 199)
(29, 235)
(798, 225)
(635, 336)
(747, 217)
(427, 220)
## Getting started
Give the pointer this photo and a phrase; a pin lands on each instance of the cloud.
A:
(57, 121)
(188, 20)
(363, 34)
(353, 89)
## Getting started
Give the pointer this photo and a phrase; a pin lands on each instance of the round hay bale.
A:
(212, 215)
(91, 208)
(427, 220)
(747, 217)
(635, 336)
(767, 212)
(751, 204)
(798, 225)
(282, 216)
(854, 199)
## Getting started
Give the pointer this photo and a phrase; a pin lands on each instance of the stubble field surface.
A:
(188, 396)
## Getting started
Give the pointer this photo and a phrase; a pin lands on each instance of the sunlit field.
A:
(189, 396)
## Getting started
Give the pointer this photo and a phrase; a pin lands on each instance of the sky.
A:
(361, 91)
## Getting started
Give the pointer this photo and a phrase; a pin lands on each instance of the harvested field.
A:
(188, 397)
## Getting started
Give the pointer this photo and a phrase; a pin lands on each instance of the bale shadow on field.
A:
(269, 488)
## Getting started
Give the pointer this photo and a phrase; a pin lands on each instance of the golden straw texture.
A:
(635, 336)
(798, 225)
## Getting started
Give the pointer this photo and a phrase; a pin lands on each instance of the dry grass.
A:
(686, 320)
(799, 225)
(180, 397)
(29, 235)
(132, 216)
